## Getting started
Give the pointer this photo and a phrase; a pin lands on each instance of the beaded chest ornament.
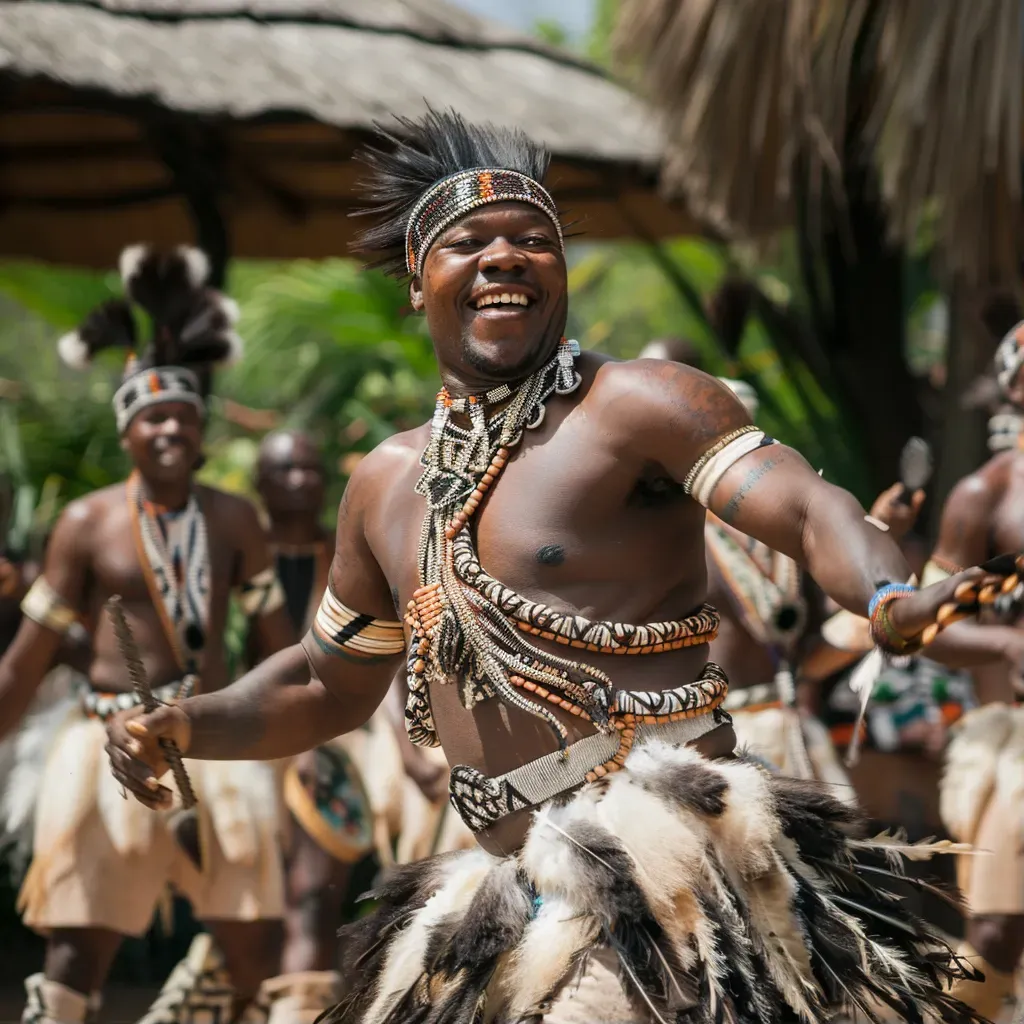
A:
(467, 627)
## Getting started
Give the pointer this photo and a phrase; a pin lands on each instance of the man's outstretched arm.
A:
(773, 494)
(300, 697)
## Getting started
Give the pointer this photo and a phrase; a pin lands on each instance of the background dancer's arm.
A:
(295, 700)
(270, 630)
(965, 533)
(34, 647)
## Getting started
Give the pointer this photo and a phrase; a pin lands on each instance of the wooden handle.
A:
(140, 683)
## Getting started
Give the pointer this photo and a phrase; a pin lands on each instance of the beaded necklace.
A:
(174, 555)
(466, 627)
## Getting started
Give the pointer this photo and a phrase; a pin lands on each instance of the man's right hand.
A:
(136, 757)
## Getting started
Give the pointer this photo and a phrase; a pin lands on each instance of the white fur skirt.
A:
(727, 893)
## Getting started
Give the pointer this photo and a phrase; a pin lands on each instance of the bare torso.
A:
(114, 568)
(574, 523)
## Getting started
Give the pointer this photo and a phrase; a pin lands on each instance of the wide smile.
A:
(502, 301)
(170, 452)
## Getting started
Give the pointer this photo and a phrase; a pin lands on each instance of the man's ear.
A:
(124, 442)
(416, 294)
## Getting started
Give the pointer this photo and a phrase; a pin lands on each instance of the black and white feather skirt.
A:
(730, 894)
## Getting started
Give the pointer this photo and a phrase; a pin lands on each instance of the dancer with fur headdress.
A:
(174, 551)
(629, 867)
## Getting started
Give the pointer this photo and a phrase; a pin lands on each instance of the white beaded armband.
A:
(262, 594)
(709, 469)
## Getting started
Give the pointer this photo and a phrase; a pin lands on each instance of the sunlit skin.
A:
(90, 556)
(587, 515)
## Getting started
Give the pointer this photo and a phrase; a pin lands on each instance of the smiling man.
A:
(174, 551)
(543, 537)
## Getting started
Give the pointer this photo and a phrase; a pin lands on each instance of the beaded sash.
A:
(469, 629)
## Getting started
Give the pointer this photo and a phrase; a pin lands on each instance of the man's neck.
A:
(169, 495)
(464, 382)
(296, 530)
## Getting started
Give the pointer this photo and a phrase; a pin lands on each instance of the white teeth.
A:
(505, 298)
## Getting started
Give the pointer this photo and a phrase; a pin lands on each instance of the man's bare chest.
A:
(565, 526)
(118, 563)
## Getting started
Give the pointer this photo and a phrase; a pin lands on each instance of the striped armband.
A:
(709, 469)
(261, 595)
(42, 604)
(339, 631)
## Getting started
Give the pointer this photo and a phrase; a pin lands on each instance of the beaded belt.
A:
(481, 800)
(751, 698)
(103, 705)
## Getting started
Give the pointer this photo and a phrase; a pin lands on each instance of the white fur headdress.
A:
(192, 330)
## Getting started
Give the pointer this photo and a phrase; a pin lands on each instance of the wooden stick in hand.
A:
(140, 683)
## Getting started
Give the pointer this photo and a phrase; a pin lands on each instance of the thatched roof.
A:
(930, 90)
(264, 101)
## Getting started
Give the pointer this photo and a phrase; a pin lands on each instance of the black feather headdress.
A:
(192, 330)
(416, 156)
(192, 324)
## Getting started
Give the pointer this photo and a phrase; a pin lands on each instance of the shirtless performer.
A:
(331, 824)
(174, 551)
(406, 786)
(982, 796)
(581, 484)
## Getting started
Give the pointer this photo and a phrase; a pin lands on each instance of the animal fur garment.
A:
(730, 894)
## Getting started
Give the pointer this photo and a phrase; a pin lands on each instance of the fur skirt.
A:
(727, 893)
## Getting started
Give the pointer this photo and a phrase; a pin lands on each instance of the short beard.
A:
(490, 370)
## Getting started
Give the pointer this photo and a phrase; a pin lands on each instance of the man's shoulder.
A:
(992, 478)
(394, 455)
(651, 403)
(86, 511)
(654, 380)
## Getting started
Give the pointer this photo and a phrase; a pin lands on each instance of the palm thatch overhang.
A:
(758, 94)
(234, 121)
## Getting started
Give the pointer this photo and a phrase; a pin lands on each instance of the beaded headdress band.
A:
(453, 197)
(1010, 356)
(144, 388)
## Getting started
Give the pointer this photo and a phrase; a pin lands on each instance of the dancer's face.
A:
(164, 441)
(493, 289)
(290, 476)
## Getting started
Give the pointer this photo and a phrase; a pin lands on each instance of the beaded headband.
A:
(453, 197)
(1010, 356)
(144, 388)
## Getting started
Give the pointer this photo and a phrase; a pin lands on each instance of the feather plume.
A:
(895, 847)
(553, 943)
(191, 324)
(109, 325)
(404, 965)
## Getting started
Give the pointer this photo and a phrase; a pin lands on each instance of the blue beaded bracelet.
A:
(890, 589)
